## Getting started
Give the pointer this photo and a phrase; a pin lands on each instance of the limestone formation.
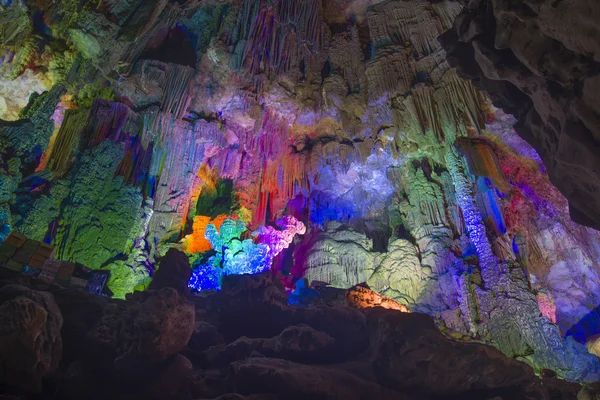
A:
(329, 143)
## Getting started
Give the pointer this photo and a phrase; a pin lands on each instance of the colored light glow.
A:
(235, 256)
(196, 242)
(277, 240)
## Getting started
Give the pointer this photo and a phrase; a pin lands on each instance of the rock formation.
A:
(31, 341)
(539, 61)
(331, 141)
(149, 345)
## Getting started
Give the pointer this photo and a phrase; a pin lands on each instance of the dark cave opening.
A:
(175, 45)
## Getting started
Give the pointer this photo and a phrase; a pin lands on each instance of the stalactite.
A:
(169, 18)
(535, 260)
(434, 66)
(426, 200)
(378, 28)
(135, 165)
(67, 141)
(151, 22)
(106, 121)
(472, 217)
(460, 105)
(295, 174)
(389, 73)
(346, 55)
(482, 161)
(177, 90)
(426, 108)
(351, 268)
(279, 35)
(403, 22)
(447, 12)
(365, 149)
(175, 162)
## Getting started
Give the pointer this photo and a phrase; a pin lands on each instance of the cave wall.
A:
(327, 140)
(539, 61)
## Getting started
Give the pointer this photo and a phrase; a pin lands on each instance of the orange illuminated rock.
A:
(362, 297)
(196, 242)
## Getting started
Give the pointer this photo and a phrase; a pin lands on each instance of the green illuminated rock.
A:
(99, 215)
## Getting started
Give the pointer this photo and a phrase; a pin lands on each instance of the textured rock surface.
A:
(30, 337)
(174, 272)
(296, 343)
(402, 356)
(539, 61)
(399, 354)
(362, 297)
(146, 330)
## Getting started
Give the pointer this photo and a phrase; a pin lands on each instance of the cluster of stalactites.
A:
(346, 55)
(278, 35)
(67, 140)
(165, 14)
(413, 22)
(89, 128)
(177, 88)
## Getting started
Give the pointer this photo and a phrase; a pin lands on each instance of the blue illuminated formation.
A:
(233, 256)
(207, 276)
(246, 257)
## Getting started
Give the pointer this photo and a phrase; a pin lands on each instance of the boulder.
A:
(171, 380)
(81, 311)
(362, 297)
(174, 271)
(256, 306)
(408, 352)
(296, 381)
(30, 341)
(252, 306)
(205, 335)
(296, 343)
(589, 392)
(145, 330)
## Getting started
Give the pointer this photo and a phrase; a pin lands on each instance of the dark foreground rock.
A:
(30, 341)
(247, 343)
(174, 271)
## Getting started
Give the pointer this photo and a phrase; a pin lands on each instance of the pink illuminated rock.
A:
(279, 240)
(547, 307)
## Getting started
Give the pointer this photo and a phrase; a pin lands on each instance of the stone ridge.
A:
(159, 345)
